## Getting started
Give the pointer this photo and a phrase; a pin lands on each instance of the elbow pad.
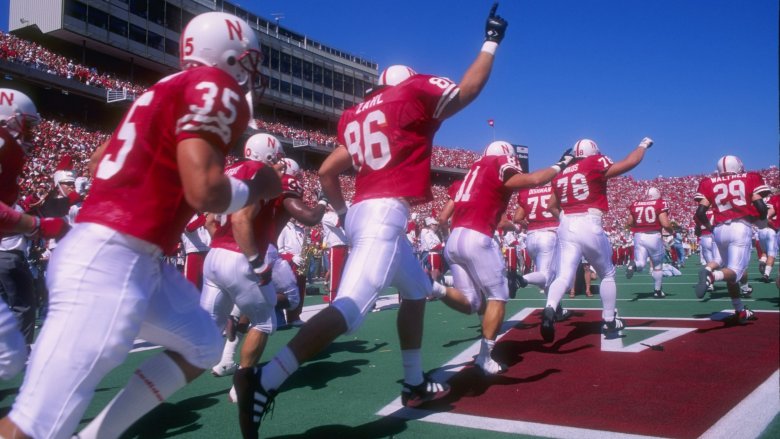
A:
(761, 208)
(701, 214)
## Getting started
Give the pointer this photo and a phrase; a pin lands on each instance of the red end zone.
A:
(681, 391)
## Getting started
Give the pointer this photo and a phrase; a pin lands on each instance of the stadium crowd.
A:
(18, 50)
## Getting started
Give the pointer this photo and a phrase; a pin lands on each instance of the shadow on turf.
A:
(381, 428)
(168, 420)
(316, 375)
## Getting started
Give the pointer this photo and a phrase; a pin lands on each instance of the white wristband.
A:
(239, 194)
(322, 203)
(557, 168)
(490, 47)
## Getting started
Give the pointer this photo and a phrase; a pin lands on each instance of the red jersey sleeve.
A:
(435, 92)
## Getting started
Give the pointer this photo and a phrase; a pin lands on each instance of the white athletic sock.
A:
(449, 281)
(412, 362)
(608, 293)
(438, 290)
(768, 270)
(279, 369)
(229, 351)
(658, 278)
(153, 382)
(486, 347)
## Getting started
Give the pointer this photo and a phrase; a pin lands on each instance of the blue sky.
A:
(698, 76)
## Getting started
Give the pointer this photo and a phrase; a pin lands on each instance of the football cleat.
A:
(745, 316)
(488, 365)
(522, 282)
(746, 291)
(426, 391)
(547, 328)
(630, 268)
(765, 278)
(254, 402)
(659, 294)
(562, 313)
(705, 276)
(224, 369)
(761, 267)
(232, 395)
(612, 328)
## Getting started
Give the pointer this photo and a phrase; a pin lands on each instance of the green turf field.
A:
(340, 394)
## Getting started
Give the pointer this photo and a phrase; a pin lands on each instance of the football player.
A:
(18, 121)
(767, 236)
(708, 250)
(646, 218)
(387, 139)
(580, 192)
(107, 282)
(474, 256)
(736, 198)
(541, 241)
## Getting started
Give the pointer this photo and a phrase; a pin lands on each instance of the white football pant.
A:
(767, 237)
(541, 245)
(650, 245)
(735, 242)
(13, 349)
(105, 289)
(379, 256)
(582, 235)
(709, 250)
(477, 266)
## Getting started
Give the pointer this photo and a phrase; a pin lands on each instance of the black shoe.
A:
(522, 282)
(426, 391)
(705, 276)
(746, 291)
(765, 279)
(562, 313)
(659, 294)
(547, 327)
(254, 402)
(761, 267)
(630, 268)
(612, 329)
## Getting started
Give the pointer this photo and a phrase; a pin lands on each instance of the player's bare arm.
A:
(519, 215)
(541, 176)
(630, 221)
(477, 74)
(701, 213)
(337, 162)
(207, 188)
(211, 224)
(663, 218)
(632, 159)
(241, 222)
(96, 156)
(308, 216)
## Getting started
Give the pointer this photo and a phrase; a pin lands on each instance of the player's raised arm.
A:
(541, 176)
(631, 160)
(478, 73)
(337, 162)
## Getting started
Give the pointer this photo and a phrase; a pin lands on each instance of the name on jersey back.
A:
(376, 100)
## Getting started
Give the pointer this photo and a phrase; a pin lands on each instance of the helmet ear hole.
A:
(231, 60)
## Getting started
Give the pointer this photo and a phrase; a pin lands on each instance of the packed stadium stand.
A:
(76, 133)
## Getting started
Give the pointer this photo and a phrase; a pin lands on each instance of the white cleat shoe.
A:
(224, 369)
(232, 395)
(489, 366)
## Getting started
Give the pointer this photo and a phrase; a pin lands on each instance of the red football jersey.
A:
(223, 235)
(583, 186)
(534, 203)
(12, 158)
(482, 197)
(730, 196)
(453, 189)
(774, 201)
(646, 215)
(390, 136)
(698, 224)
(276, 215)
(137, 189)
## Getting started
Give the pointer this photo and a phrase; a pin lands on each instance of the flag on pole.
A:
(490, 122)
